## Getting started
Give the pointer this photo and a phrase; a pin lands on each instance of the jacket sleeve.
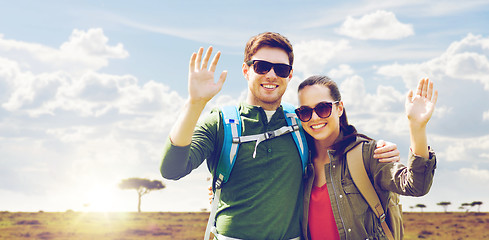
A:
(415, 179)
(179, 161)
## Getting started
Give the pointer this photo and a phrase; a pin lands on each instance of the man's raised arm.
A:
(201, 89)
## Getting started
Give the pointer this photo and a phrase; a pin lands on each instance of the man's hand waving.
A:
(201, 85)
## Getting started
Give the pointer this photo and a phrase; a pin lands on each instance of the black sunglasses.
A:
(262, 67)
(322, 109)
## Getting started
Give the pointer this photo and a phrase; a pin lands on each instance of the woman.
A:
(334, 208)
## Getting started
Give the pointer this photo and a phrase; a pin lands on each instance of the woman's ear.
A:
(340, 108)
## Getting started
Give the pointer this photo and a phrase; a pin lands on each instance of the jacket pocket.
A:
(357, 203)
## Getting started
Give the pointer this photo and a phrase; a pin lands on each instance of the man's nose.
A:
(271, 73)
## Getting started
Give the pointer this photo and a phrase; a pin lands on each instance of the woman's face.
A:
(321, 129)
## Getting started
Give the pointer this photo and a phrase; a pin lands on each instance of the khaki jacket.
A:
(354, 219)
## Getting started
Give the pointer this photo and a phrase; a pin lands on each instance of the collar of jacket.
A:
(350, 146)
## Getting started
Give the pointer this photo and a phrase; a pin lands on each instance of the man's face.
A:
(266, 90)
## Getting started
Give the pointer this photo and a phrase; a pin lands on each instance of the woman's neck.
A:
(322, 148)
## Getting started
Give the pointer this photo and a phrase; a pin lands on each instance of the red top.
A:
(321, 219)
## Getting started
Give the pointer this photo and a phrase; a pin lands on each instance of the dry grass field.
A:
(169, 225)
(451, 225)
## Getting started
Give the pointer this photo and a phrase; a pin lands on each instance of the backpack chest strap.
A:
(265, 136)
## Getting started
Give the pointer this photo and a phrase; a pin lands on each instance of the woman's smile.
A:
(318, 126)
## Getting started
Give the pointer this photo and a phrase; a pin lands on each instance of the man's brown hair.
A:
(268, 39)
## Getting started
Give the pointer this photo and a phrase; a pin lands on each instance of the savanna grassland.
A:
(191, 225)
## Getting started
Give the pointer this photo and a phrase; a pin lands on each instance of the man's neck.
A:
(266, 106)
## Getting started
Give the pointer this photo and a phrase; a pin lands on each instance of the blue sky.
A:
(89, 90)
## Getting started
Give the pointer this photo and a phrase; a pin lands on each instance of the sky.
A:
(90, 89)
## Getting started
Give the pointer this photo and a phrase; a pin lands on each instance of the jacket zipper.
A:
(335, 195)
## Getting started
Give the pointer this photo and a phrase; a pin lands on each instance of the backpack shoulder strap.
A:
(360, 178)
(232, 131)
(298, 134)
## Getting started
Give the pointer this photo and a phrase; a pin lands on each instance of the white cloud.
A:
(85, 50)
(468, 59)
(310, 57)
(475, 173)
(381, 25)
(457, 149)
(460, 75)
(92, 43)
(342, 71)
(355, 95)
(463, 60)
(33, 91)
(373, 113)
(91, 94)
(485, 116)
(81, 122)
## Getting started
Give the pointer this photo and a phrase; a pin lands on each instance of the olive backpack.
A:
(391, 221)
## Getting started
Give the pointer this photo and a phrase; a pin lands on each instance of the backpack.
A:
(232, 138)
(392, 222)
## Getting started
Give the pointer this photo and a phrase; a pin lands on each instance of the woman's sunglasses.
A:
(262, 67)
(322, 109)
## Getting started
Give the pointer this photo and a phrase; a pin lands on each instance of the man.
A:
(263, 196)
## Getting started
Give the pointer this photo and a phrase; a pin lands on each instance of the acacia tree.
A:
(466, 206)
(420, 206)
(142, 186)
(444, 205)
(478, 204)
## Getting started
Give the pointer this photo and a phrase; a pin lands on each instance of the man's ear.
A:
(245, 69)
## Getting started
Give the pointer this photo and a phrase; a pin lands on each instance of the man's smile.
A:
(269, 86)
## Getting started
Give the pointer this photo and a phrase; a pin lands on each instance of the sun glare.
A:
(99, 199)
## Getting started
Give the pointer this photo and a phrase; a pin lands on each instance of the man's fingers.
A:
(222, 79)
(207, 57)
(389, 154)
(198, 60)
(198, 63)
(214, 62)
(191, 65)
(380, 143)
(391, 159)
(382, 147)
(386, 151)
(211, 194)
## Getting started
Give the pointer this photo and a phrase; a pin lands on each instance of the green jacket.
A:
(353, 216)
(263, 197)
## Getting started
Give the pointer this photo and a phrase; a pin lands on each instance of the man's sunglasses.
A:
(262, 67)
(322, 109)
